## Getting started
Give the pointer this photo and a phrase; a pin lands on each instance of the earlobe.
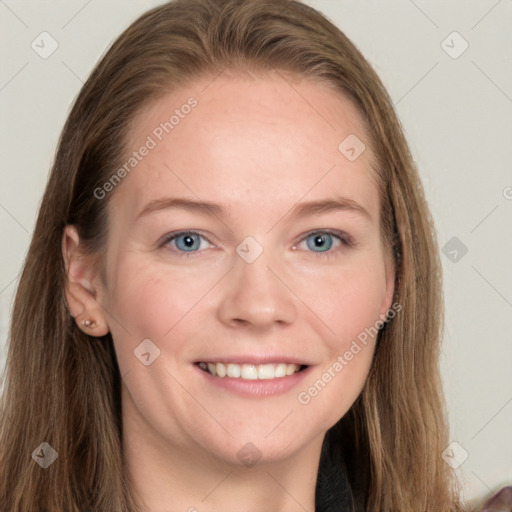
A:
(81, 297)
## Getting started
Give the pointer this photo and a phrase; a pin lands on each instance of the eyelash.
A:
(346, 242)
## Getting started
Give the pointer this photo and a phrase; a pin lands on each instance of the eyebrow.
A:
(214, 209)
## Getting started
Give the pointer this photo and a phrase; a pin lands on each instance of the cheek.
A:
(148, 302)
(349, 304)
(350, 308)
(347, 301)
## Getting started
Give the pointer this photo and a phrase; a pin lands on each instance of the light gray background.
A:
(456, 113)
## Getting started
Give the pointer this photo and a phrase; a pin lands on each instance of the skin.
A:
(258, 145)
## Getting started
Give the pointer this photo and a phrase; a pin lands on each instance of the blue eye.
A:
(187, 241)
(322, 241)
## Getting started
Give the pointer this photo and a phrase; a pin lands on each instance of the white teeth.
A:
(266, 371)
(221, 370)
(233, 370)
(280, 370)
(290, 369)
(251, 371)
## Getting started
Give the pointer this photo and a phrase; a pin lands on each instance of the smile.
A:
(251, 371)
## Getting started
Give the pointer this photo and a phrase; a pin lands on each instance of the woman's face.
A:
(266, 278)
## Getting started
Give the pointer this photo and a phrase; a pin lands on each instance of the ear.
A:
(81, 287)
(390, 285)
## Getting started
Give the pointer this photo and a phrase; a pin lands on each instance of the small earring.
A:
(91, 324)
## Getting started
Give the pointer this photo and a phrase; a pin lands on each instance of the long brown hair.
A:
(63, 387)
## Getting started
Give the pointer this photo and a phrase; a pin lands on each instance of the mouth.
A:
(251, 371)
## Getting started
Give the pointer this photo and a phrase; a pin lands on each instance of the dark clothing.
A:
(333, 492)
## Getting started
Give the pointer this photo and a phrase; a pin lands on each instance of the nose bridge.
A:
(255, 294)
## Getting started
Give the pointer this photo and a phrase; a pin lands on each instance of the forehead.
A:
(249, 142)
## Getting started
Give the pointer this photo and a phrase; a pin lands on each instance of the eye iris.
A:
(319, 241)
(189, 240)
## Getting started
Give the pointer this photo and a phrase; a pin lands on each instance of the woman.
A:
(232, 298)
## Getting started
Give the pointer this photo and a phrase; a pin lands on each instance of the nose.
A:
(257, 295)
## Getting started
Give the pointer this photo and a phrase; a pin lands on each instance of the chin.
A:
(247, 449)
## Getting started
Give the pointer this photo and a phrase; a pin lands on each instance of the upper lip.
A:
(255, 359)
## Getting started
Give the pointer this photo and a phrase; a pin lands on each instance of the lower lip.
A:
(256, 387)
